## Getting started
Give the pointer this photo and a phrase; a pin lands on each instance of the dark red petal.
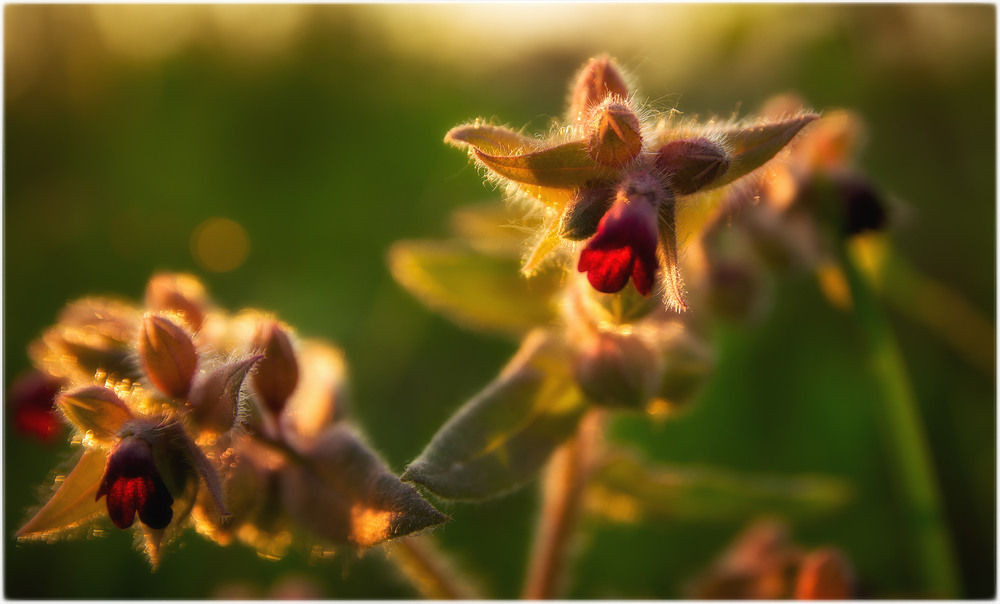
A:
(607, 270)
(133, 485)
(624, 246)
(125, 497)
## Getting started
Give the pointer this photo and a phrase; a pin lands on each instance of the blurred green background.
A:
(318, 130)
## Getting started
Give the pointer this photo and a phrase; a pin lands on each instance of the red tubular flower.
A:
(133, 484)
(624, 246)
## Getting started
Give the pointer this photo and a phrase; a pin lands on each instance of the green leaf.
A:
(495, 140)
(752, 146)
(344, 493)
(73, 503)
(564, 166)
(95, 410)
(476, 290)
(627, 488)
(503, 436)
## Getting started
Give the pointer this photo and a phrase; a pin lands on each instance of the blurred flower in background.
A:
(309, 137)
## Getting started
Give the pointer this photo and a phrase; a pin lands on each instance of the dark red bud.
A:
(133, 486)
(32, 396)
(692, 164)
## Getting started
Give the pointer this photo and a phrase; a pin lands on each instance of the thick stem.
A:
(424, 565)
(562, 490)
(906, 440)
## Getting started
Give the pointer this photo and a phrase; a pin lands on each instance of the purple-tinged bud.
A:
(167, 354)
(692, 164)
(133, 485)
(599, 78)
(277, 373)
(824, 575)
(864, 209)
(584, 212)
(616, 370)
(215, 396)
(615, 135)
(33, 397)
(179, 293)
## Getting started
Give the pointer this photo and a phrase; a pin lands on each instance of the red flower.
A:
(133, 484)
(33, 395)
(624, 246)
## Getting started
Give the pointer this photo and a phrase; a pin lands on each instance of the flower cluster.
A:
(189, 415)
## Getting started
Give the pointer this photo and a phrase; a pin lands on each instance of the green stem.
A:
(425, 566)
(907, 443)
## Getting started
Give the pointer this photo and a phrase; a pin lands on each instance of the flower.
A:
(133, 485)
(624, 246)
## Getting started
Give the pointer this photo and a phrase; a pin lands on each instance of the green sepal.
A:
(474, 289)
(563, 166)
(73, 503)
(751, 146)
(496, 140)
(501, 438)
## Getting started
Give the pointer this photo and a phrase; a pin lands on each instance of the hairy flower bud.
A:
(692, 164)
(215, 395)
(277, 373)
(584, 212)
(616, 370)
(179, 293)
(599, 78)
(824, 575)
(133, 485)
(615, 135)
(167, 354)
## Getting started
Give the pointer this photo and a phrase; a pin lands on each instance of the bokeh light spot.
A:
(220, 245)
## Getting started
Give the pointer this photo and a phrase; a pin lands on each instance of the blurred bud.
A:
(585, 210)
(864, 209)
(735, 290)
(692, 163)
(277, 372)
(599, 78)
(824, 575)
(133, 485)
(616, 370)
(32, 396)
(687, 365)
(615, 135)
(179, 293)
(215, 396)
(167, 354)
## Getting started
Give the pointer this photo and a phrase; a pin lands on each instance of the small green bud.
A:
(615, 135)
(692, 164)
(167, 354)
(585, 210)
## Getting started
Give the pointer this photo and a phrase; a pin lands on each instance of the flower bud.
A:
(735, 288)
(616, 370)
(584, 212)
(824, 575)
(167, 354)
(692, 164)
(179, 293)
(687, 364)
(133, 485)
(599, 78)
(33, 396)
(215, 396)
(864, 209)
(277, 373)
(615, 135)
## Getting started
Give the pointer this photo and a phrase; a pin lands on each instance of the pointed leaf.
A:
(476, 290)
(629, 488)
(752, 146)
(344, 493)
(564, 166)
(503, 436)
(95, 410)
(549, 240)
(73, 503)
(495, 140)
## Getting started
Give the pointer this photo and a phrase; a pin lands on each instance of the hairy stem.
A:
(907, 444)
(565, 478)
(427, 568)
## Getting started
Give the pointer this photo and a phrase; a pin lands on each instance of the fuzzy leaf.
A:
(476, 290)
(629, 489)
(752, 146)
(564, 166)
(495, 140)
(95, 410)
(73, 503)
(503, 436)
(344, 493)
